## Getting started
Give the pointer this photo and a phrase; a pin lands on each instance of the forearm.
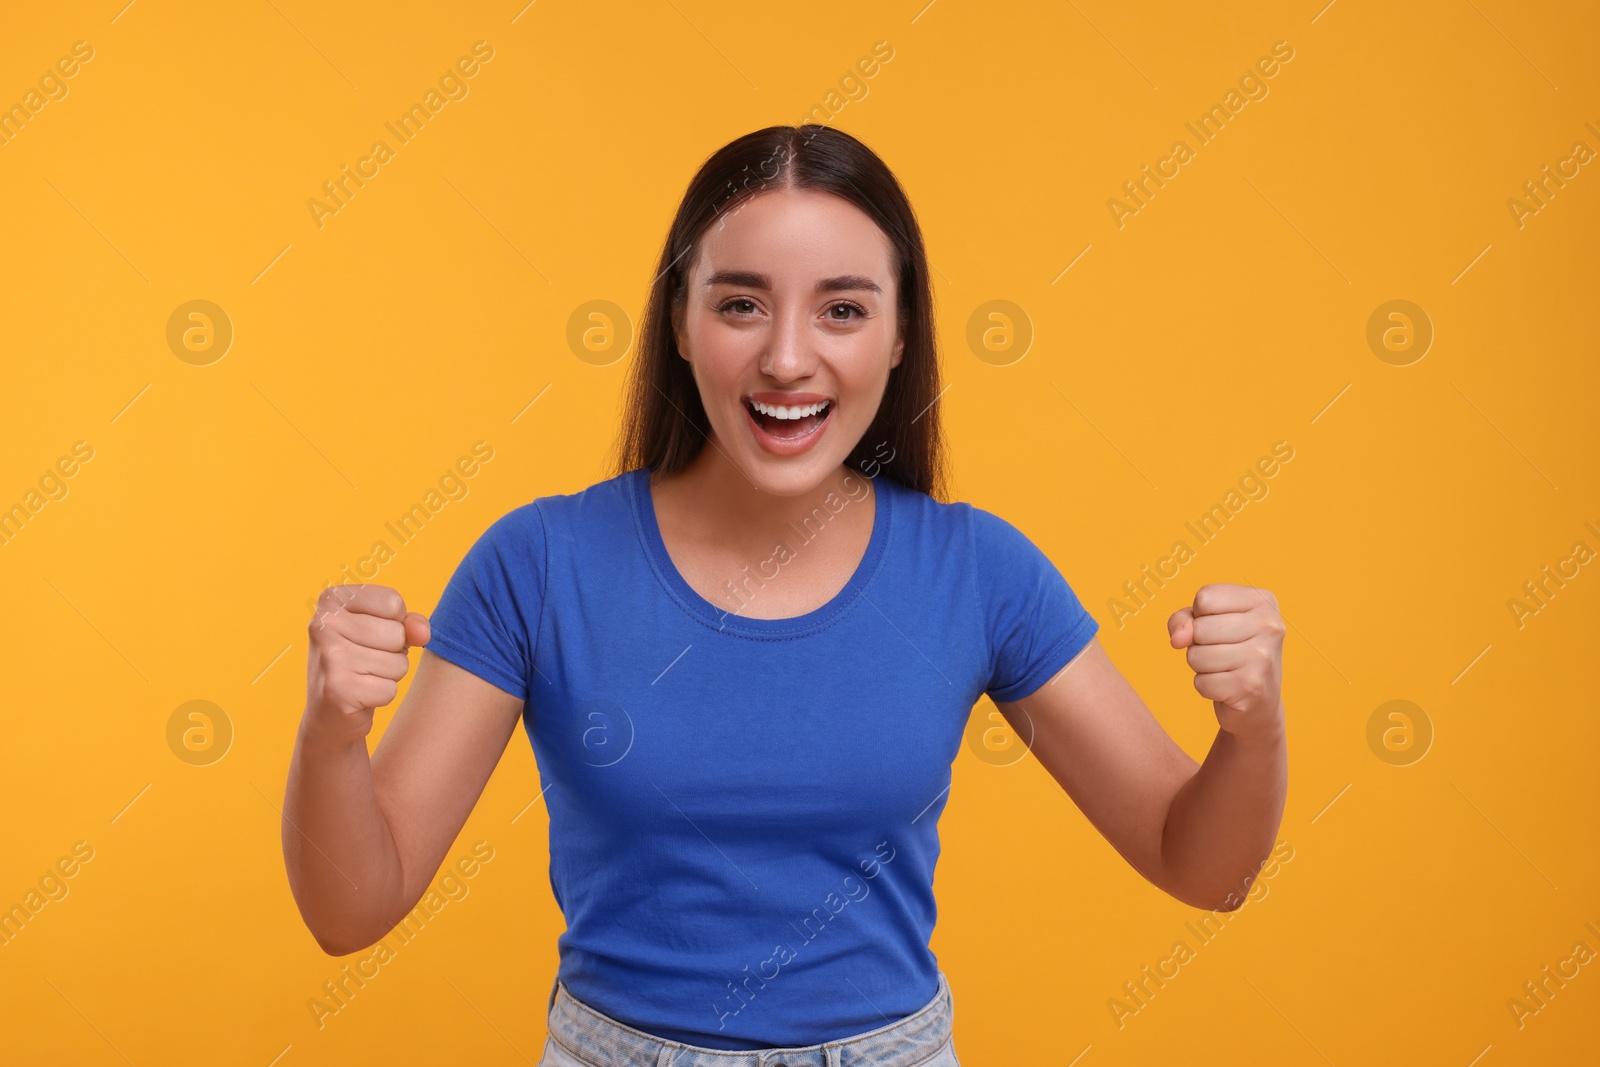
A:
(344, 869)
(1223, 822)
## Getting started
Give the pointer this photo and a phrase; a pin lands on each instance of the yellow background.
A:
(1229, 313)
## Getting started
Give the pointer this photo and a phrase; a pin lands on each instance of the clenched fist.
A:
(360, 635)
(1234, 635)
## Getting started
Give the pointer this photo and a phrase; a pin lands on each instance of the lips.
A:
(787, 437)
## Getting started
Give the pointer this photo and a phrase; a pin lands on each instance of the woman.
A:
(746, 660)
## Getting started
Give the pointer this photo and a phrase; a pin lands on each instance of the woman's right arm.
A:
(363, 836)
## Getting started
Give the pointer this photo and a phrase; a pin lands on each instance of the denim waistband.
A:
(599, 1039)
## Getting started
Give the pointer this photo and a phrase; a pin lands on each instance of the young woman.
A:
(746, 660)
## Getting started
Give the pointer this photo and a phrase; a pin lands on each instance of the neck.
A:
(725, 506)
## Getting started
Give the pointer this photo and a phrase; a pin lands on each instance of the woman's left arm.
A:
(1201, 832)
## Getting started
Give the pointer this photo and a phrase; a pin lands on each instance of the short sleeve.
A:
(1034, 620)
(487, 618)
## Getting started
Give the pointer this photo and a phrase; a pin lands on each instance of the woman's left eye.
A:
(848, 306)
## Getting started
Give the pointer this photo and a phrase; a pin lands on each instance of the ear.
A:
(677, 330)
(899, 349)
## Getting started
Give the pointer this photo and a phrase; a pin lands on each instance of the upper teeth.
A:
(789, 413)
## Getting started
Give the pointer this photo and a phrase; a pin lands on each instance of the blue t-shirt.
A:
(743, 812)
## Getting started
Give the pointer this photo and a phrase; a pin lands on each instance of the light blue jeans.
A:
(582, 1037)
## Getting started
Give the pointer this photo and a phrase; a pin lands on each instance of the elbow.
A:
(340, 944)
(1207, 901)
(342, 941)
(1221, 900)
(1204, 897)
(332, 944)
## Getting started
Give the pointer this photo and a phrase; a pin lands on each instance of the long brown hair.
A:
(664, 423)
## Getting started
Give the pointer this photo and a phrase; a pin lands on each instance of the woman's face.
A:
(791, 302)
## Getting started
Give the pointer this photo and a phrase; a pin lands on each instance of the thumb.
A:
(418, 630)
(1180, 627)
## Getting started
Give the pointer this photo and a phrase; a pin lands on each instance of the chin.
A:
(782, 478)
(789, 476)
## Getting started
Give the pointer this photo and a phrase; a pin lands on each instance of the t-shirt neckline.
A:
(701, 609)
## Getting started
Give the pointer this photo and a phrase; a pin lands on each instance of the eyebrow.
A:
(755, 280)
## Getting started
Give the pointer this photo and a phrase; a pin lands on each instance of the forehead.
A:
(796, 234)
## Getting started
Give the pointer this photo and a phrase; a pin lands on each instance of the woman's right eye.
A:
(737, 300)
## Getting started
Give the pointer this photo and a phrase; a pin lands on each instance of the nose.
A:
(789, 354)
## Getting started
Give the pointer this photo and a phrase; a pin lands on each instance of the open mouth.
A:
(789, 424)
